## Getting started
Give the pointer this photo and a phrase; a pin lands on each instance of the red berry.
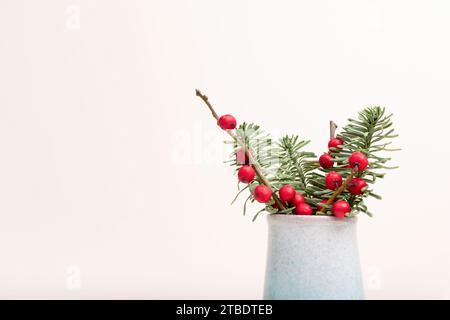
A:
(298, 198)
(333, 180)
(319, 207)
(227, 122)
(326, 161)
(340, 208)
(334, 143)
(287, 193)
(303, 209)
(356, 185)
(242, 157)
(246, 174)
(358, 160)
(262, 194)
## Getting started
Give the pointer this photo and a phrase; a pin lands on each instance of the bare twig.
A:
(205, 99)
(333, 127)
(248, 152)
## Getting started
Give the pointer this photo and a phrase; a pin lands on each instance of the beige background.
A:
(111, 181)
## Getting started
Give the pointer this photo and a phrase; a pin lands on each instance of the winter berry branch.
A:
(228, 123)
(338, 191)
(289, 180)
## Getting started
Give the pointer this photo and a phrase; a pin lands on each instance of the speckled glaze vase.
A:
(312, 257)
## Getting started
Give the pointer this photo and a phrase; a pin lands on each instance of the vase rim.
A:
(304, 218)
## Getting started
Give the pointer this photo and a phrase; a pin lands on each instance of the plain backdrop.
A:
(111, 176)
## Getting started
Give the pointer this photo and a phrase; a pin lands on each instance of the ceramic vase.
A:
(313, 258)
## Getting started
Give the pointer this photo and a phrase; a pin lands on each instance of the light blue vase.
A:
(312, 257)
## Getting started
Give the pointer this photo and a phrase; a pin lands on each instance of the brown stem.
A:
(205, 99)
(339, 190)
(333, 127)
(248, 152)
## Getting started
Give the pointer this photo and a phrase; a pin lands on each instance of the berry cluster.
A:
(295, 199)
(357, 161)
(246, 173)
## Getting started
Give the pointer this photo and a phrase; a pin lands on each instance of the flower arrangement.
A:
(289, 180)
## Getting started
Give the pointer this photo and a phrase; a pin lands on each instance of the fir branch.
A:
(296, 165)
(369, 133)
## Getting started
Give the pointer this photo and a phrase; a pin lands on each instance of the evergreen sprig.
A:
(260, 146)
(296, 165)
(370, 134)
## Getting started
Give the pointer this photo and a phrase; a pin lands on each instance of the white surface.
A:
(111, 181)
